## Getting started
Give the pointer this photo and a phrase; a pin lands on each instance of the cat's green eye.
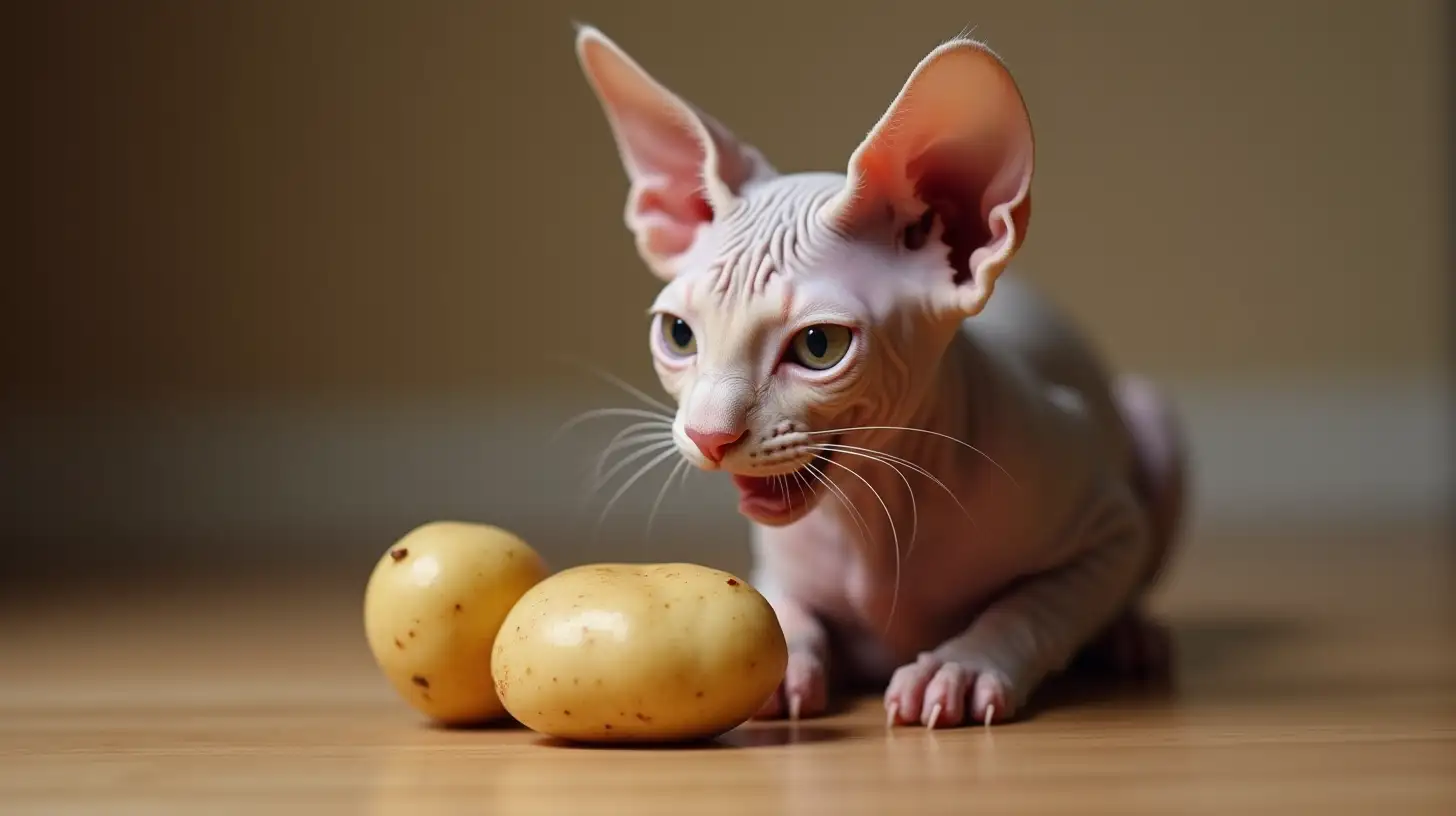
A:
(677, 336)
(820, 347)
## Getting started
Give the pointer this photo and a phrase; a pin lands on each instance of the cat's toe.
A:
(945, 696)
(990, 701)
(905, 694)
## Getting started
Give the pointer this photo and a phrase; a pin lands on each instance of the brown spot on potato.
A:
(699, 695)
(398, 644)
(399, 553)
(608, 726)
(732, 582)
(566, 711)
(457, 607)
(422, 682)
(528, 671)
(643, 717)
(411, 633)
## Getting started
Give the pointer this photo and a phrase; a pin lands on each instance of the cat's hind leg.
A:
(1136, 644)
(1160, 468)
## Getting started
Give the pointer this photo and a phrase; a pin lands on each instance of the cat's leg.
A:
(987, 672)
(804, 691)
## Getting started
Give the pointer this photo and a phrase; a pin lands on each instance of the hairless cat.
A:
(831, 339)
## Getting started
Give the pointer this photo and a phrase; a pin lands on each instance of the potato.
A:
(432, 608)
(638, 653)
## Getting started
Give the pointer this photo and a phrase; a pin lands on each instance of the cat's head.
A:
(799, 305)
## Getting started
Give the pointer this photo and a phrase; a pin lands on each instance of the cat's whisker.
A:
(615, 380)
(647, 449)
(914, 509)
(597, 480)
(627, 438)
(653, 424)
(838, 492)
(960, 442)
(899, 460)
(597, 413)
(654, 462)
(805, 489)
(894, 534)
(666, 483)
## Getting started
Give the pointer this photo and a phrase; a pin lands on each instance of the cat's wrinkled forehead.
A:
(771, 251)
(772, 232)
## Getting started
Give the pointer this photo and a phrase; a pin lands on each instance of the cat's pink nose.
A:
(714, 444)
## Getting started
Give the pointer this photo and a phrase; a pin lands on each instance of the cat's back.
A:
(1021, 322)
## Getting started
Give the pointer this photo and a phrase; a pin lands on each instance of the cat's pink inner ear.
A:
(957, 140)
(684, 167)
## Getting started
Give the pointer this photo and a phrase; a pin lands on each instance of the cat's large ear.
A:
(956, 142)
(685, 168)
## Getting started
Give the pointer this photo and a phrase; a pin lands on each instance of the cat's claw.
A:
(802, 693)
(892, 711)
(934, 717)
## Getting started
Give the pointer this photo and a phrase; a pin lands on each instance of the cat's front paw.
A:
(804, 691)
(940, 693)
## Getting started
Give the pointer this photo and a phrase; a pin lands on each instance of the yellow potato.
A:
(638, 653)
(432, 608)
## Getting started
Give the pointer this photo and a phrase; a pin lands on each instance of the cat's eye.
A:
(820, 347)
(677, 336)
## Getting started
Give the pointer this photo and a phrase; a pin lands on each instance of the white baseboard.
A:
(1347, 452)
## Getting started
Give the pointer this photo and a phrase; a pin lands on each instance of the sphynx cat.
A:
(950, 496)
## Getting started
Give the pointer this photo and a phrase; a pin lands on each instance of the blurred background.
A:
(288, 279)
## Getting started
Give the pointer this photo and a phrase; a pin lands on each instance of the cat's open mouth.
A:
(780, 498)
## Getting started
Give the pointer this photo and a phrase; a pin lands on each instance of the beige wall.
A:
(351, 198)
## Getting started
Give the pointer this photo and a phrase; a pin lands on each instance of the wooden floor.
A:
(1317, 674)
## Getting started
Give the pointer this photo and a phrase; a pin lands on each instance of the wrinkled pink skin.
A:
(1066, 512)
